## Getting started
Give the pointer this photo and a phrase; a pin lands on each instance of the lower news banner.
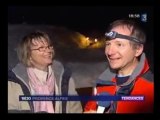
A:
(80, 98)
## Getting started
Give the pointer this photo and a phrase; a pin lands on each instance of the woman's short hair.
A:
(24, 47)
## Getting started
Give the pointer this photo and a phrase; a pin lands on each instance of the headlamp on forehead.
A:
(112, 35)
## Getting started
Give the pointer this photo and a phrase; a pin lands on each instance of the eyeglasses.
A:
(42, 49)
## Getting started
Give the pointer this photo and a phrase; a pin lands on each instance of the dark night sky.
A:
(76, 17)
(83, 18)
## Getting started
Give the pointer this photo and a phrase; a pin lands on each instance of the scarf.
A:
(42, 88)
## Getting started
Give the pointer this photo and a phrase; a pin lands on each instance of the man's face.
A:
(119, 52)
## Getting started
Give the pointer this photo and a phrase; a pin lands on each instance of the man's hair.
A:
(24, 47)
(133, 27)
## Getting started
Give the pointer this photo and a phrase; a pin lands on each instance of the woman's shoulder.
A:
(57, 64)
(57, 67)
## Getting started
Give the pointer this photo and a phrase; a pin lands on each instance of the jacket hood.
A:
(107, 76)
(21, 72)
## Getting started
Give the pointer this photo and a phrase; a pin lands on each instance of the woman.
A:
(38, 74)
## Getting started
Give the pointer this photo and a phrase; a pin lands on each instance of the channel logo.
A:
(144, 17)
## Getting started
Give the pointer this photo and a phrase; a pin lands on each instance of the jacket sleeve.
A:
(73, 106)
(14, 105)
(90, 105)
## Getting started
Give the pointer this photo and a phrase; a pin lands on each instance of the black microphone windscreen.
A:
(104, 103)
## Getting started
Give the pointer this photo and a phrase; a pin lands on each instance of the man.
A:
(128, 73)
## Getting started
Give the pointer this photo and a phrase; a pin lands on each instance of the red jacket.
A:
(139, 83)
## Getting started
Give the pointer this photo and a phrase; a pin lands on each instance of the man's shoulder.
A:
(107, 75)
(149, 76)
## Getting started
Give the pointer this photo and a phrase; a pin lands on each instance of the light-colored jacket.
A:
(15, 89)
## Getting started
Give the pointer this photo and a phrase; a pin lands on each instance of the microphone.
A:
(102, 105)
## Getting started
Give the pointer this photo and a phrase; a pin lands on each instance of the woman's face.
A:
(41, 54)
